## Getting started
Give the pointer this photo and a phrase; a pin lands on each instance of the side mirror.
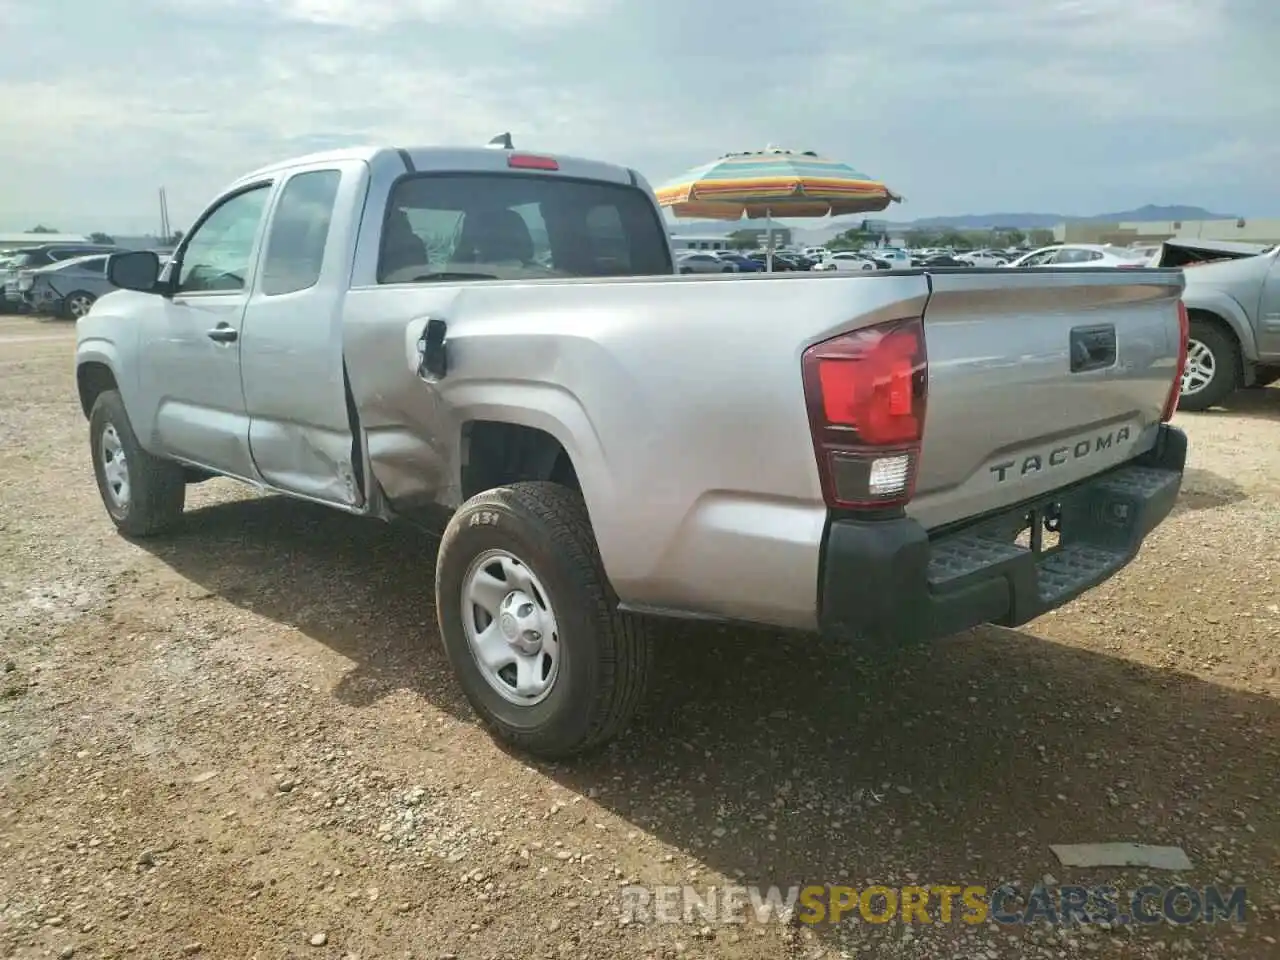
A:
(136, 270)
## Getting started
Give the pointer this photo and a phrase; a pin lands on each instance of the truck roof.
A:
(451, 158)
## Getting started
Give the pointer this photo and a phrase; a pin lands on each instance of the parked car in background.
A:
(67, 289)
(1079, 255)
(845, 260)
(700, 261)
(943, 260)
(32, 258)
(983, 258)
(1233, 300)
(782, 262)
(740, 260)
(895, 257)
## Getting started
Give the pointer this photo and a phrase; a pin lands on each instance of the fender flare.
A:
(1226, 308)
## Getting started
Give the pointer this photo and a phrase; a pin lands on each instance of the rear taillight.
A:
(866, 394)
(1175, 390)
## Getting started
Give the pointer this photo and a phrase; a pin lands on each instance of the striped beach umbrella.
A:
(770, 183)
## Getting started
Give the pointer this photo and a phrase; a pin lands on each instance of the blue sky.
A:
(1003, 105)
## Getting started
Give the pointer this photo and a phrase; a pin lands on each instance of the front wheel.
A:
(531, 626)
(1212, 372)
(143, 494)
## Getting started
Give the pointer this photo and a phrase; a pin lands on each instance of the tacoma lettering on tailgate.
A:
(1057, 456)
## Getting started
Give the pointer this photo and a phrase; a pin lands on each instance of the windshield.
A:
(447, 227)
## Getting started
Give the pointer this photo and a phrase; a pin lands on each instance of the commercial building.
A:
(16, 241)
(1244, 230)
(751, 239)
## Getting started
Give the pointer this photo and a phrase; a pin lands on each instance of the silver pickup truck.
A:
(498, 342)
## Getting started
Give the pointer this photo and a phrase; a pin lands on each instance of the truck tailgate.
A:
(1040, 379)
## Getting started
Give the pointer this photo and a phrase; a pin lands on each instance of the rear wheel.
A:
(530, 624)
(76, 305)
(1213, 366)
(143, 494)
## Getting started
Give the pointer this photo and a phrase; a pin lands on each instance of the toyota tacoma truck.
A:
(499, 342)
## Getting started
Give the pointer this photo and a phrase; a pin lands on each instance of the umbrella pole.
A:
(768, 249)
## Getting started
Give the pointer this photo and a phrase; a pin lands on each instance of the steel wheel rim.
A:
(79, 306)
(115, 467)
(1200, 368)
(511, 627)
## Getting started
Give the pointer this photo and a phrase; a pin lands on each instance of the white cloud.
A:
(1071, 107)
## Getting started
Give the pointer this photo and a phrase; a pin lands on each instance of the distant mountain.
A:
(1038, 221)
(969, 221)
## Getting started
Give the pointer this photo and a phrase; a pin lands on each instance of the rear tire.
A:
(566, 670)
(143, 494)
(1213, 366)
(76, 305)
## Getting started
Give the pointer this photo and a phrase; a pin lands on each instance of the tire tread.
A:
(625, 648)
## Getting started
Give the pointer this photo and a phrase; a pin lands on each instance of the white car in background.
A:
(1079, 255)
(983, 258)
(845, 260)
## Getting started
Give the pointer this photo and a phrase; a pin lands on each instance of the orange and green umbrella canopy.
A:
(774, 183)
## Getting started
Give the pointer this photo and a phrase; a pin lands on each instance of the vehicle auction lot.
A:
(244, 740)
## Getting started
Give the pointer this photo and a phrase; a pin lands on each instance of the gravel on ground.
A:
(243, 740)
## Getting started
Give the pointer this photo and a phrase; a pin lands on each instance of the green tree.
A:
(744, 239)
(852, 239)
(918, 237)
(42, 229)
(1040, 238)
(103, 238)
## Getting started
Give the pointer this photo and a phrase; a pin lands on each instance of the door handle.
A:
(224, 333)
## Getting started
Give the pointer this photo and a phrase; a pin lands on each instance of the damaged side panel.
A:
(411, 433)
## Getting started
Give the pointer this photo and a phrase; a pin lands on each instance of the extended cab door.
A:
(300, 434)
(191, 366)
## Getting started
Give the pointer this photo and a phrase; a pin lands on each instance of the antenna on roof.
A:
(502, 142)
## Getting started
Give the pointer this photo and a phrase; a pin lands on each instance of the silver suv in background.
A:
(1233, 298)
(33, 258)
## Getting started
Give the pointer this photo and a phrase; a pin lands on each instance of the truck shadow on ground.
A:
(1205, 490)
(1251, 404)
(793, 760)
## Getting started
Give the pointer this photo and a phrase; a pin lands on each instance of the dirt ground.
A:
(243, 741)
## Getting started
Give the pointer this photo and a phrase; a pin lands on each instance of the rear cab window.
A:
(516, 226)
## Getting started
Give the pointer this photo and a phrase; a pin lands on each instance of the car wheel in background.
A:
(1213, 366)
(76, 305)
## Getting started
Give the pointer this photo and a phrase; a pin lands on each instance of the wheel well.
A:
(92, 380)
(1224, 327)
(496, 454)
(1215, 320)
